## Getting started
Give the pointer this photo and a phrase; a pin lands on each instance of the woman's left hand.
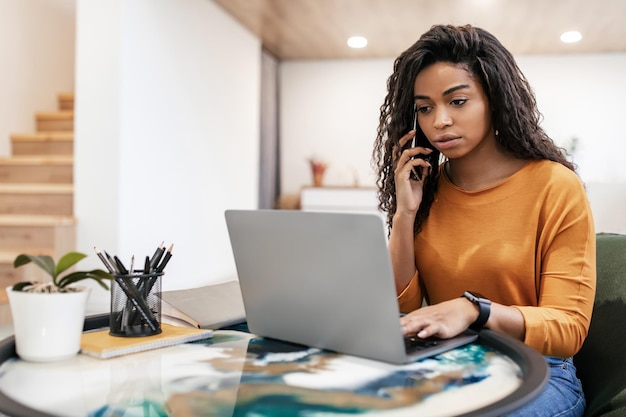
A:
(444, 320)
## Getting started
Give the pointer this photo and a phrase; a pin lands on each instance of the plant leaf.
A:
(71, 278)
(68, 260)
(44, 262)
(97, 274)
(21, 285)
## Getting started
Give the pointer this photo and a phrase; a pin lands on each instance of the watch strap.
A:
(484, 309)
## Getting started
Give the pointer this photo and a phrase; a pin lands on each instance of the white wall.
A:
(581, 96)
(167, 130)
(37, 44)
(330, 109)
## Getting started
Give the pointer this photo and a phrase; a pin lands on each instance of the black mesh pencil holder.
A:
(136, 305)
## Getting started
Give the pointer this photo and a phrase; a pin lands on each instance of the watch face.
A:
(475, 297)
(470, 296)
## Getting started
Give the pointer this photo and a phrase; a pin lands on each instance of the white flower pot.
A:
(48, 326)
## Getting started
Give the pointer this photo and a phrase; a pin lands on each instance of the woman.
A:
(499, 235)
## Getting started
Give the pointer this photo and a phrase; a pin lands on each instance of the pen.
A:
(120, 266)
(146, 265)
(144, 283)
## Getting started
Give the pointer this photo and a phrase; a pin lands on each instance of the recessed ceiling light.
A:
(357, 42)
(571, 36)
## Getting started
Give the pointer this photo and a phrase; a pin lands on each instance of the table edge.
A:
(532, 364)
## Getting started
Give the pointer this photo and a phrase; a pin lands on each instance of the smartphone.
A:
(417, 173)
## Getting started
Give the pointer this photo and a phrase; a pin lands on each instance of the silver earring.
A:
(497, 133)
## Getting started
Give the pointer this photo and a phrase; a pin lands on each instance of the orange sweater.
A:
(527, 242)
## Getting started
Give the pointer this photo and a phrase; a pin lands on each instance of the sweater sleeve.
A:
(566, 261)
(411, 297)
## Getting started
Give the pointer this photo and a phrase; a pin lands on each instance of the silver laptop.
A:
(323, 280)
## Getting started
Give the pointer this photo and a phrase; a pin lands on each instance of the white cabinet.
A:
(346, 199)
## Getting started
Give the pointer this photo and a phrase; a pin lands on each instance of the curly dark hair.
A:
(513, 106)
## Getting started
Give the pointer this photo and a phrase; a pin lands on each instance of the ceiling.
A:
(318, 29)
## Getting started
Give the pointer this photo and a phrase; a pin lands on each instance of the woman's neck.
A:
(474, 175)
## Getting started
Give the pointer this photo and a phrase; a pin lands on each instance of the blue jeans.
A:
(563, 395)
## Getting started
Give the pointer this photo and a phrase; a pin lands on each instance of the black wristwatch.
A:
(484, 308)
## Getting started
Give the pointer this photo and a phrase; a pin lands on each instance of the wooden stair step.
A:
(66, 101)
(62, 120)
(37, 188)
(36, 220)
(43, 143)
(24, 233)
(45, 198)
(28, 160)
(37, 169)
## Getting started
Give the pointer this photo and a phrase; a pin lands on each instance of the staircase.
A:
(37, 193)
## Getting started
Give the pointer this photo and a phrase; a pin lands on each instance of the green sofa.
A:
(601, 362)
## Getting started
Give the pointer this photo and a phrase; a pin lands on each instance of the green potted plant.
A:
(48, 316)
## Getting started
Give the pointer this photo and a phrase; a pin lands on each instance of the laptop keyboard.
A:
(414, 344)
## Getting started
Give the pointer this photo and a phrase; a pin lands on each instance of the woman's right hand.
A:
(408, 187)
(409, 193)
